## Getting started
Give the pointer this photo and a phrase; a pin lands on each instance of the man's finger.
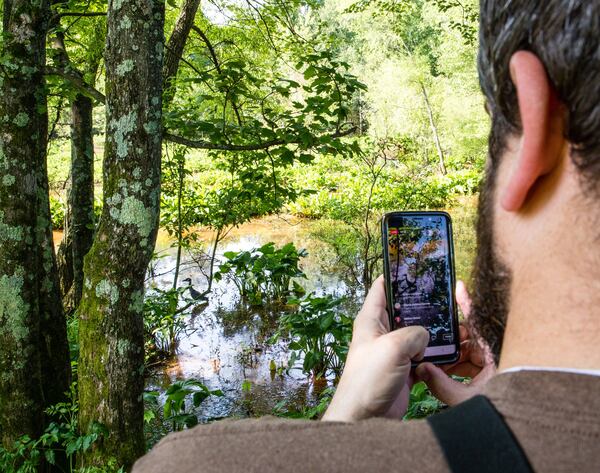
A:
(443, 387)
(376, 297)
(463, 299)
(372, 320)
(463, 333)
(409, 342)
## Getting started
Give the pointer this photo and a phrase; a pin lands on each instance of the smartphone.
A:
(418, 256)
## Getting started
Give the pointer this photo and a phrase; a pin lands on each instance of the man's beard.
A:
(491, 277)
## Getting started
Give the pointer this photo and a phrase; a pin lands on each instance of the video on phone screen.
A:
(420, 278)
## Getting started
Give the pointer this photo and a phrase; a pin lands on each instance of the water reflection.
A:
(225, 345)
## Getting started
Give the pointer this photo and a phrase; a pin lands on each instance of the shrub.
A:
(175, 411)
(421, 403)
(318, 332)
(263, 273)
(57, 213)
(61, 435)
(163, 322)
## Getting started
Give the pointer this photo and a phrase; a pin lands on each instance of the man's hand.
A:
(475, 362)
(376, 379)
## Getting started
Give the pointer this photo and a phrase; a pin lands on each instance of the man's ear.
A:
(542, 121)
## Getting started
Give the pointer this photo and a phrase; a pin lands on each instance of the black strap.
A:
(475, 439)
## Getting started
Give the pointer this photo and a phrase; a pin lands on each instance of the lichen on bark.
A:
(111, 325)
(34, 363)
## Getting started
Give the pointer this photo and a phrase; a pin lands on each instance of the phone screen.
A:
(421, 278)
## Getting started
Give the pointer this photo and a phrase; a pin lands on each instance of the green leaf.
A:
(198, 397)
(149, 415)
(50, 456)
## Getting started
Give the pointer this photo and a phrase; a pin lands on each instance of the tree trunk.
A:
(434, 131)
(176, 45)
(34, 361)
(111, 366)
(180, 184)
(79, 217)
(81, 194)
(64, 261)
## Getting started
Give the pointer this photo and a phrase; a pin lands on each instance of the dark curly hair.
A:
(565, 35)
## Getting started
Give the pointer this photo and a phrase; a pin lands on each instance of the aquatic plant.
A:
(282, 408)
(319, 334)
(163, 322)
(422, 403)
(263, 273)
(178, 397)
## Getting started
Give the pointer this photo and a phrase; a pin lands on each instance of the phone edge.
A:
(386, 269)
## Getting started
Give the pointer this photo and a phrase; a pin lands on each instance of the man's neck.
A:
(553, 322)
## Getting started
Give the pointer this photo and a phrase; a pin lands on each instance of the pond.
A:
(226, 345)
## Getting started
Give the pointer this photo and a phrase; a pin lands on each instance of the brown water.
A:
(225, 345)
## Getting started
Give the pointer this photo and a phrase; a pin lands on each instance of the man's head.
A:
(539, 67)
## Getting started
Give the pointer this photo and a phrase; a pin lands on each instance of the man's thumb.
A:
(409, 343)
(443, 387)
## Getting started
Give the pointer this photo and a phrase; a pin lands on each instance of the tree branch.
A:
(79, 14)
(176, 45)
(215, 61)
(77, 82)
(200, 144)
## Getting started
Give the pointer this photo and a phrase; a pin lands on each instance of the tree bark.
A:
(6, 14)
(79, 217)
(34, 358)
(81, 194)
(434, 131)
(176, 45)
(111, 366)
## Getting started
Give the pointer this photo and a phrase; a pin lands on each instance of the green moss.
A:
(133, 212)
(158, 48)
(21, 119)
(8, 180)
(121, 128)
(151, 127)
(28, 70)
(125, 67)
(137, 301)
(13, 309)
(115, 199)
(8, 232)
(105, 290)
(123, 346)
(125, 23)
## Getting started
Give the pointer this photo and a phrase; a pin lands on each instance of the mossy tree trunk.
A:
(81, 193)
(79, 216)
(34, 359)
(111, 363)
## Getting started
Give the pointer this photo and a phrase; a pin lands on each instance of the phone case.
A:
(438, 360)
